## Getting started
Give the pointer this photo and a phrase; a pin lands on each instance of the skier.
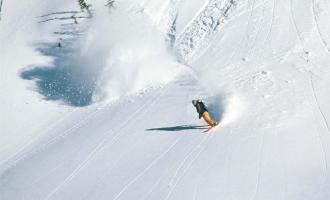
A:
(203, 112)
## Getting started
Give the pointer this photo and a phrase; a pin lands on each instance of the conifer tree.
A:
(84, 6)
(110, 3)
(0, 7)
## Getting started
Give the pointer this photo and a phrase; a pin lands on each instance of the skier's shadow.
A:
(180, 128)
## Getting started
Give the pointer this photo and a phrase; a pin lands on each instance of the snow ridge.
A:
(206, 24)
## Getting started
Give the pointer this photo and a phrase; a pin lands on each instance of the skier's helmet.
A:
(194, 102)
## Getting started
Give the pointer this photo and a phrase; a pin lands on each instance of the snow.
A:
(116, 121)
(187, 11)
(22, 112)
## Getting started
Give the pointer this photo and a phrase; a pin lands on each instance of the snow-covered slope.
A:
(260, 65)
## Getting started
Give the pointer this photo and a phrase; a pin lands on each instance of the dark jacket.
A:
(201, 108)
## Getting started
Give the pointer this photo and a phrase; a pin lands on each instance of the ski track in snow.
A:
(206, 169)
(205, 139)
(29, 142)
(308, 71)
(317, 103)
(184, 161)
(296, 27)
(259, 167)
(153, 102)
(325, 172)
(268, 36)
(239, 46)
(324, 157)
(283, 172)
(65, 133)
(252, 48)
(324, 43)
(247, 36)
(241, 40)
(102, 144)
(227, 161)
(271, 23)
(325, 161)
(146, 196)
(244, 37)
(147, 168)
(139, 175)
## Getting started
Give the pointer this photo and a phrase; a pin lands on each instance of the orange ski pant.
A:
(208, 119)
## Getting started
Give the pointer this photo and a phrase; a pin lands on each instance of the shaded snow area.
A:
(98, 105)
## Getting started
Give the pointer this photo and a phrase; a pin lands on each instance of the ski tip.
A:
(212, 129)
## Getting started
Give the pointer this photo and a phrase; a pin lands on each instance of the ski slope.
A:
(117, 121)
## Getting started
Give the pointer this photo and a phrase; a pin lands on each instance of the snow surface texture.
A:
(108, 114)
